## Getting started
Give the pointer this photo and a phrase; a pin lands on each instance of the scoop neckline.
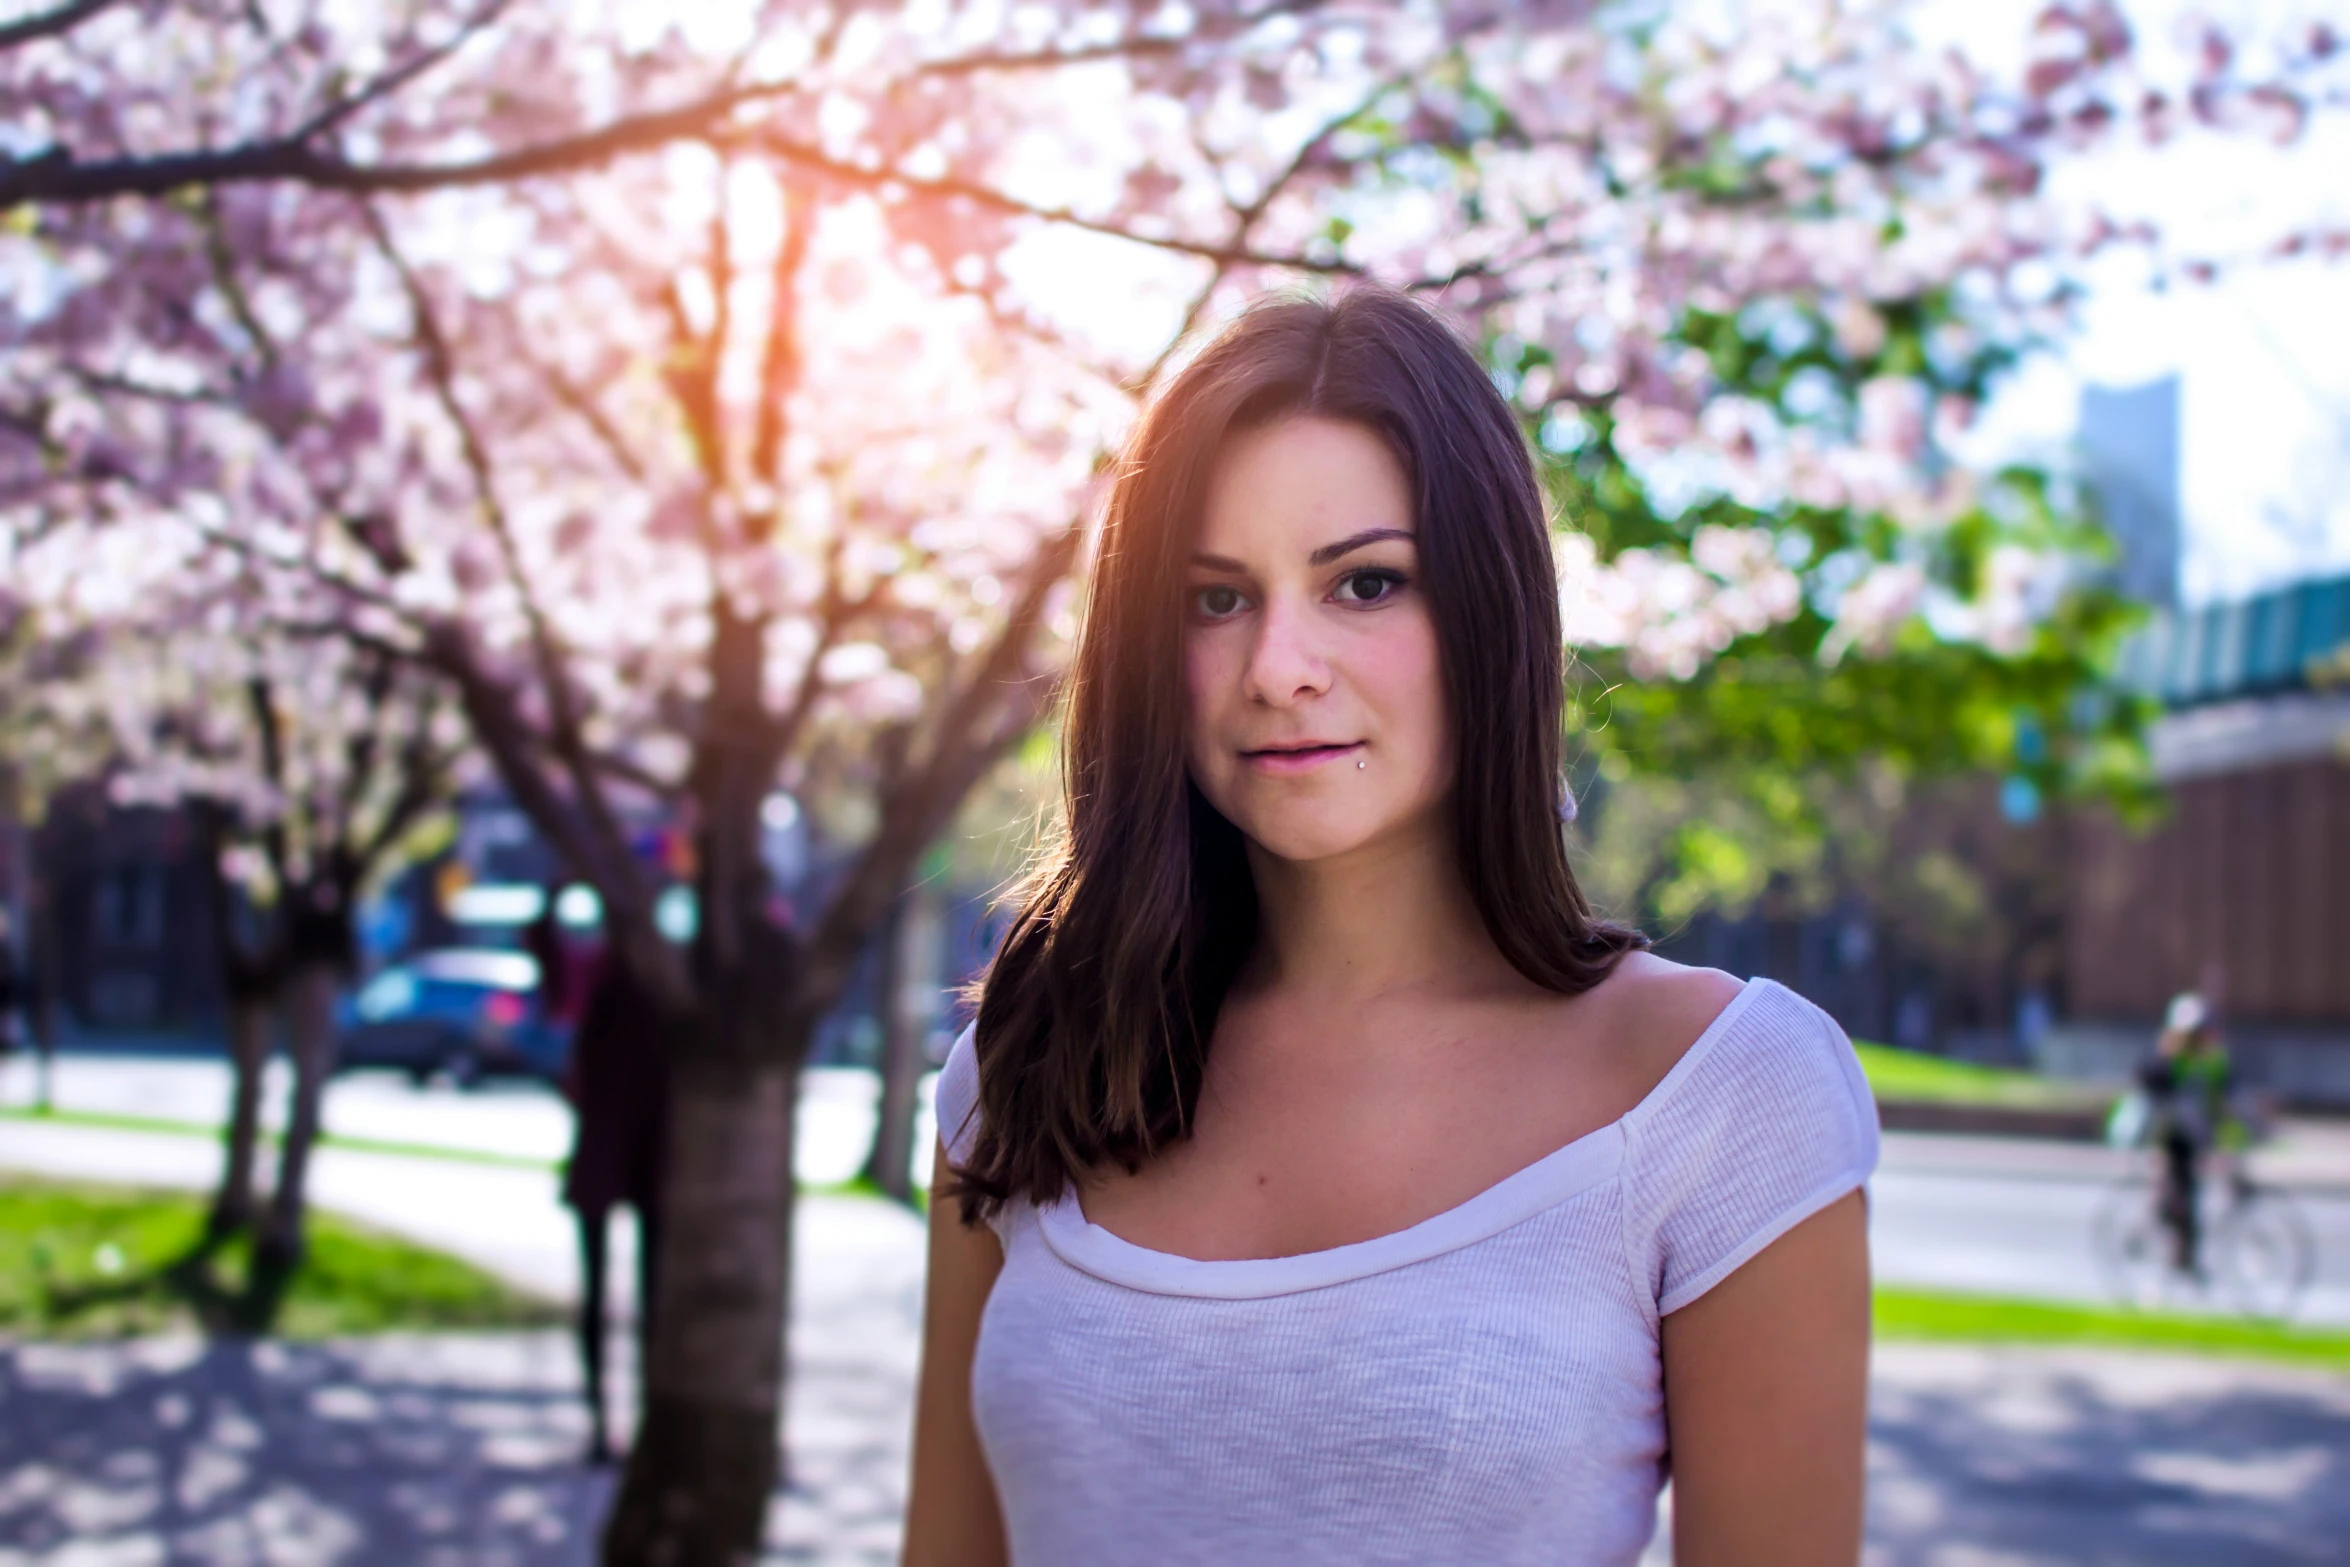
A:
(1556, 1177)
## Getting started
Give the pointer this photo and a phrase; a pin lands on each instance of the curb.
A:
(2068, 1124)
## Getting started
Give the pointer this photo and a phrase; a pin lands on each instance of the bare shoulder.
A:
(1653, 1010)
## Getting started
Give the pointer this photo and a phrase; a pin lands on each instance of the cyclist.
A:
(2190, 1092)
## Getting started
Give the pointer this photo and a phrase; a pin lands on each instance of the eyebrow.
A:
(1321, 557)
(1348, 545)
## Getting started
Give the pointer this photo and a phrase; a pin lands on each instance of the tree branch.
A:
(391, 81)
(49, 24)
(576, 400)
(962, 746)
(424, 779)
(834, 614)
(305, 566)
(496, 721)
(1053, 59)
(1245, 220)
(1117, 49)
(779, 357)
(361, 748)
(949, 187)
(441, 371)
(119, 385)
(55, 175)
(565, 729)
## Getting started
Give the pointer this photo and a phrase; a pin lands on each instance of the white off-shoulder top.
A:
(1483, 1387)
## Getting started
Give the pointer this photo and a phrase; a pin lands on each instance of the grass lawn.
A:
(1908, 1074)
(102, 1262)
(1989, 1319)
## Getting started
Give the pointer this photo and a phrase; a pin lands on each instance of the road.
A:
(2011, 1218)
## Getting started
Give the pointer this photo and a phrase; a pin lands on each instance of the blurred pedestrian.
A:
(617, 1082)
(2190, 1087)
(566, 969)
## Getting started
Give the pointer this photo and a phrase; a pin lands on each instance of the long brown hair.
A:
(1095, 1018)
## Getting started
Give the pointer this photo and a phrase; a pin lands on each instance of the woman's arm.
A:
(1766, 1402)
(951, 1517)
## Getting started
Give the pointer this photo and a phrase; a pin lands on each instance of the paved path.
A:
(511, 1118)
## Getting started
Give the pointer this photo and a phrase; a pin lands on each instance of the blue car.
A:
(464, 1012)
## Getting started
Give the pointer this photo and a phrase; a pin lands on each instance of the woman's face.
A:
(1317, 708)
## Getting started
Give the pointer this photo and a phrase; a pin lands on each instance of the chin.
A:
(1303, 833)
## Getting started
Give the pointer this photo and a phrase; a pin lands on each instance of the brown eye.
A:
(1368, 587)
(1219, 601)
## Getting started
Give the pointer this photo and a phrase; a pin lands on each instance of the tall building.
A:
(2129, 446)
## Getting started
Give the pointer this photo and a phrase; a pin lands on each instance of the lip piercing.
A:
(1360, 764)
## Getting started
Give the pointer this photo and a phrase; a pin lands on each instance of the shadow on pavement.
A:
(2019, 1456)
(463, 1449)
(448, 1449)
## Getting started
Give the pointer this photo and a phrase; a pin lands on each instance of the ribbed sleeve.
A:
(1765, 1122)
(958, 1097)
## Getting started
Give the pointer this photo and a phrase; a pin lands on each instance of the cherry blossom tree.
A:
(769, 491)
(700, 405)
(307, 766)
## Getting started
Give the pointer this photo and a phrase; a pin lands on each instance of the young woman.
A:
(1323, 1182)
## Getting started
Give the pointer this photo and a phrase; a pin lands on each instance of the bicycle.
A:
(2257, 1254)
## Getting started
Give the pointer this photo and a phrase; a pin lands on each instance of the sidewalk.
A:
(506, 1119)
(474, 1173)
(2306, 1155)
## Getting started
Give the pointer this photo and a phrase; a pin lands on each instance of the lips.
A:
(1300, 757)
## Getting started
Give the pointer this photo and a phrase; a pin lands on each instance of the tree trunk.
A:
(251, 1020)
(909, 1005)
(706, 1457)
(310, 1040)
(47, 969)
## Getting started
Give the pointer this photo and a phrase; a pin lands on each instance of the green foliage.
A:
(96, 1262)
(1908, 1074)
(1935, 1315)
(1743, 760)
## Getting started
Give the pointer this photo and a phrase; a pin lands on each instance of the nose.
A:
(1286, 666)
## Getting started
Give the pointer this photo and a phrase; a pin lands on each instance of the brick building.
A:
(2244, 886)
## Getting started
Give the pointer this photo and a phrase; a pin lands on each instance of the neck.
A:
(1393, 915)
